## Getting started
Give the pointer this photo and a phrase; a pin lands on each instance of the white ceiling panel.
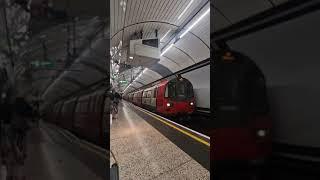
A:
(194, 47)
(180, 57)
(173, 66)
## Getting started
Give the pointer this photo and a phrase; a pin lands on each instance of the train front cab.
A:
(242, 123)
(175, 97)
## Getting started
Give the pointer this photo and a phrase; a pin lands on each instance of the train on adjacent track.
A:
(171, 97)
(83, 115)
(242, 124)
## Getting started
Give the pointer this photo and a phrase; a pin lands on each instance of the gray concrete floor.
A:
(143, 152)
(47, 160)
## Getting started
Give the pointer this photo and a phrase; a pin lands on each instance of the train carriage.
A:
(242, 127)
(67, 113)
(170, 97)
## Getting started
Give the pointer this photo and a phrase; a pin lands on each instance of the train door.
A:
(153, 98)
(139, 98)
(159, 97)
(144, 97)
(149, 96)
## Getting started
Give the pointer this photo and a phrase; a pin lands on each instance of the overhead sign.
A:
(42, 63)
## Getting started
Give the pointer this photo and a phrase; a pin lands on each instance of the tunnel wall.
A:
(200, 79)
(288, 54)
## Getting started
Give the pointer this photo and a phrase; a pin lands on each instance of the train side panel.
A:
(67, 114)
(81, 114)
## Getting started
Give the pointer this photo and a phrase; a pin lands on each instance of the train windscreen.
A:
(240, 89)
(179, 90)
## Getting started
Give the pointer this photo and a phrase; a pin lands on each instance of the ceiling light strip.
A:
(195, 23)
(185, 9)
(165, 35)
(166, 50)
(135, 79)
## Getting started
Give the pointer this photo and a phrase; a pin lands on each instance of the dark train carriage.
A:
(94, 122)
(55, 114)
(243, 126)
(88, 118)
(81, 115)
(67, 114)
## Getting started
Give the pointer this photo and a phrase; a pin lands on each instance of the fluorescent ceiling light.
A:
(185, 9)
(126, 87)
(165, 35)
(166, 50)
(196, 22)
(130, 57)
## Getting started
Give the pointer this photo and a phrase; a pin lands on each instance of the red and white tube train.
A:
(168, 97)
(241, 113)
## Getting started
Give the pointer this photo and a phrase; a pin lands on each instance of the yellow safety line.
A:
(178, 129)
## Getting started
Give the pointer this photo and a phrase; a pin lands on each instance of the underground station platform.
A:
(54, 153)
(148, 146)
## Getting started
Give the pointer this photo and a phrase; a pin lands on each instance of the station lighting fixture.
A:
(130, 57)
(195, 23)
(165, 35)
(166, 50)
(261, 133)
(185, 9)
(126, 88)
(135, 79)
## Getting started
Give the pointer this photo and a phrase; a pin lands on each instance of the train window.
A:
(179, 90)
(155, 92)
(151, 93)
(166, 94)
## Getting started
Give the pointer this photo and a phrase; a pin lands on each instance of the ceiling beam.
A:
(95, 66)
(73, 81)
(282, 13)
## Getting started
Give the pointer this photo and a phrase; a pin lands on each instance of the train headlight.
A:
(168, 104)
(191, 103)
(261, 133)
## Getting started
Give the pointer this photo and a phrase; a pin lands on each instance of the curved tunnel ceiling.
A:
(89, 68)
(226, 15)
(165, 16)
(44, 80)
